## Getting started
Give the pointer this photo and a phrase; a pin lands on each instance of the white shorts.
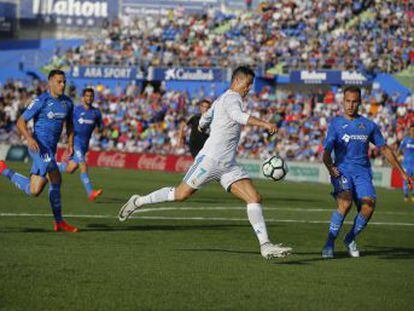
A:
(206, 169)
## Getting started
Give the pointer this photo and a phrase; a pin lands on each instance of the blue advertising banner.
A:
(333, 77)
(106, 72)
(143, 7)
(188, 74)
(69, 13)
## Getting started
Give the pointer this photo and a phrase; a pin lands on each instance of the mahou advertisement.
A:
(138, 161)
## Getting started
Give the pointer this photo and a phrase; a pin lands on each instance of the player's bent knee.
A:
(256, 198)
(367, 206)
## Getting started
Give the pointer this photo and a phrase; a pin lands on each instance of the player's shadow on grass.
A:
(382, 252)
(109, 228)
(108, 200)
(217, 250)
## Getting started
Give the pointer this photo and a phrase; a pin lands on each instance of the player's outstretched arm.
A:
(22, 127)
(392, 159)
(271, 128)
(327, 160)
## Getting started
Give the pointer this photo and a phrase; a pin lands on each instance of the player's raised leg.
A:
(20, 181)
(166, 194)
(344, 203)
(244, 190)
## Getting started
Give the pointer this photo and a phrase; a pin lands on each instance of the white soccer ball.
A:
(275, 168)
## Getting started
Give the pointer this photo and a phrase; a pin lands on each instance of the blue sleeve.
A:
(69, 116)
(376, 137)
(329, 142)
(402, 145)
(33, 109)
(99, 122)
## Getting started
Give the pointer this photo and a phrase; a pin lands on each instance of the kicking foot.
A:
(129, 208)
(328, 252)
(95, 194)
(269, 250)
(352, 248)
(64, 226)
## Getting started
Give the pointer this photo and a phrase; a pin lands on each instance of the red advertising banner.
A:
(396, 179)
(138, 161)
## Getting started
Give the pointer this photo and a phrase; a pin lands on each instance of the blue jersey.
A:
(349, 139)
(407, 149)
(49, 115)
(85, 121)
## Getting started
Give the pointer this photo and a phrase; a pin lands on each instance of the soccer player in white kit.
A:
(216, 161)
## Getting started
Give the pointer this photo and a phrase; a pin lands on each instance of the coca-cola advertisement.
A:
(138, 161)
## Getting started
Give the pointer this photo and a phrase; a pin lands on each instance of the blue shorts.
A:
(43, 162)
(359, 182)
(78, 155)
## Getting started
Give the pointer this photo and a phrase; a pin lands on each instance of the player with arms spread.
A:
(348, 138)
(85, 119)
(49, 111)
(217, 161)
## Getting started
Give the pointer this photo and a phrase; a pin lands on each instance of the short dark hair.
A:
(242, 70)
(205, 100)
(88, 89)
(353, 89)
(412, 125)
(55, 72)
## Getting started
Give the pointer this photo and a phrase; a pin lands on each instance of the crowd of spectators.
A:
(367, 35)
(149, 120)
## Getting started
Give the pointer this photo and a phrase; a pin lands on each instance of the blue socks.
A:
(337, 220)
(360, 223)
(20, 181)
(86, 183)
(55, 204)
(62, 166)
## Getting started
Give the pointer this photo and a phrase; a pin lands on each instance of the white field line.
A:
(202, 218)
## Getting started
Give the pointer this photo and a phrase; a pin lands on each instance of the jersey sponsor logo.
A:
(152, 162)
(409, 145)
(56, 115)
(347, 138)
(85, 121)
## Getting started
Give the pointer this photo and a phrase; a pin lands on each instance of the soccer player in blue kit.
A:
(349, 137)
(85, 119)
(407, 151)
(49, 111)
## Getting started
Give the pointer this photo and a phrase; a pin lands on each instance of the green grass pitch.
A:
(198, 255)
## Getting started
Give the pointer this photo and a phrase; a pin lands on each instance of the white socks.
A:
(158, 196)
(254, 212)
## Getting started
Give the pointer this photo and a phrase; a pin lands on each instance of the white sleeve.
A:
(206, 118)
(233, 108)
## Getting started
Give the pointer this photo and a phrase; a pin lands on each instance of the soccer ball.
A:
(275, 168)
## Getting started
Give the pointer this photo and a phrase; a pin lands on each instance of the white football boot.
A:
(352, 249)
(269, 250)
(129, 208)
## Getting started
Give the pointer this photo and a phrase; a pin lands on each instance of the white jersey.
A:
(225, 117)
